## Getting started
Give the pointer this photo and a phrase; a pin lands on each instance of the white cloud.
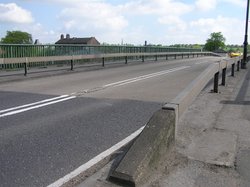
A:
(241, 3)
(11, 13)
(94, 14)
(231, 28)
(157, 7)
(205, 5)
(175, 23)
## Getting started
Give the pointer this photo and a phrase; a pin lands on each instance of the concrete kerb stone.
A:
(173, 107)
(159, 133)
(144, 155)
(187, 96)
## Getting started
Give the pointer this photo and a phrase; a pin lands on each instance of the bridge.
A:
(52, 124)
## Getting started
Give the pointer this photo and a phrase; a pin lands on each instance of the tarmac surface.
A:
(212, 146)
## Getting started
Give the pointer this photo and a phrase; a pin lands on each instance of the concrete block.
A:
(147, 150)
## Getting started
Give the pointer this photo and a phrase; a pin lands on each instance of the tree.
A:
(17, 37)
(215, 42)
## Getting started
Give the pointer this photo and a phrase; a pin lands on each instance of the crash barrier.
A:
(158, 135)
(27, 61)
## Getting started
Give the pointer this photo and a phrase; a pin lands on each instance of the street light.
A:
(244, 64)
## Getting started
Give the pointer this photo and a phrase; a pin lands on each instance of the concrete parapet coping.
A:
(155, 138)
(187, 96)
(145, 153)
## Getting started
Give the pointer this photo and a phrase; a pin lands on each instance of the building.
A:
(79, 41)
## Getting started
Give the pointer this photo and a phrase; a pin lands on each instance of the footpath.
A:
(212, 147)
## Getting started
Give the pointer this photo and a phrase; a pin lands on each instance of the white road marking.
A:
(143, 77)
(36, 106)
(46, 102)
(95, 160)
(201, 62)
(32, 104)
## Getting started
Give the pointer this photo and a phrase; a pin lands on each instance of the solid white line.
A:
(156, 75)
(34, 107)
(201, 62)
(143, 77)
(95, 160)
(32, 104)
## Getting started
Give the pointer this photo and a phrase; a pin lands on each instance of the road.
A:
(51, 125)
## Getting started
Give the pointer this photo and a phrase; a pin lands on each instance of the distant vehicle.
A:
(232, 54)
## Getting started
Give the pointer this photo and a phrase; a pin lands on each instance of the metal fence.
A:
(25, 50)
(17, 51)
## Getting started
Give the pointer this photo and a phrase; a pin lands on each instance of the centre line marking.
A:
(46, 102)
(34, 107)
(32, 104)
(143, 77)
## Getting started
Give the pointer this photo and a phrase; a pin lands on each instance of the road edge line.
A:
(69, 178)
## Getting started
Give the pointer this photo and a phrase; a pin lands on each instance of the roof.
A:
(75, 40)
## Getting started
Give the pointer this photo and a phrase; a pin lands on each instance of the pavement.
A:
(212, 147)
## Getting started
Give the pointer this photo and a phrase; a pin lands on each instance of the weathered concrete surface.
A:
(147, 150)
(215, 147)
(225, 114)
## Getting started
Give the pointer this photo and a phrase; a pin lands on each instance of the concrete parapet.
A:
(147, 149)
(187, 96)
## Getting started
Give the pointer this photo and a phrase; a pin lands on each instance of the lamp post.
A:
(244, 64)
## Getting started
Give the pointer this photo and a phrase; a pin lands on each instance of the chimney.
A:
(67, 36)
(62, 36)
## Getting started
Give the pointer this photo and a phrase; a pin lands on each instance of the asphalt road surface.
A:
(51, 125)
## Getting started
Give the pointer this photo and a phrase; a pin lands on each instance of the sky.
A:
(163, 22)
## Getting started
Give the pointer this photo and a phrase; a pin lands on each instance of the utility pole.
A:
(244, 64)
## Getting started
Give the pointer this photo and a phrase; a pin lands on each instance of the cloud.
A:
(94, 15)
(38, 31)
(205, 5)
(241, 3)
(231, 28)
(12, 13)
(157, 7)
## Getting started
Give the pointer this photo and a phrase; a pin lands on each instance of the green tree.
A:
(17, 37)
(216, 41)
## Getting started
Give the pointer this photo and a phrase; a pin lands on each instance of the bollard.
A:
(25, 69)
(238, 66)
(175, 56)
(71, 65)
(216, 82)
(241, 64)
(126, 60)
(142, 58)
(224, 71)
(188, 55)
(103, 62)
(232, 70)
(156, 58)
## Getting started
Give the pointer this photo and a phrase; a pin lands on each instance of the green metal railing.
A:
(25, 50)
(17, 51)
